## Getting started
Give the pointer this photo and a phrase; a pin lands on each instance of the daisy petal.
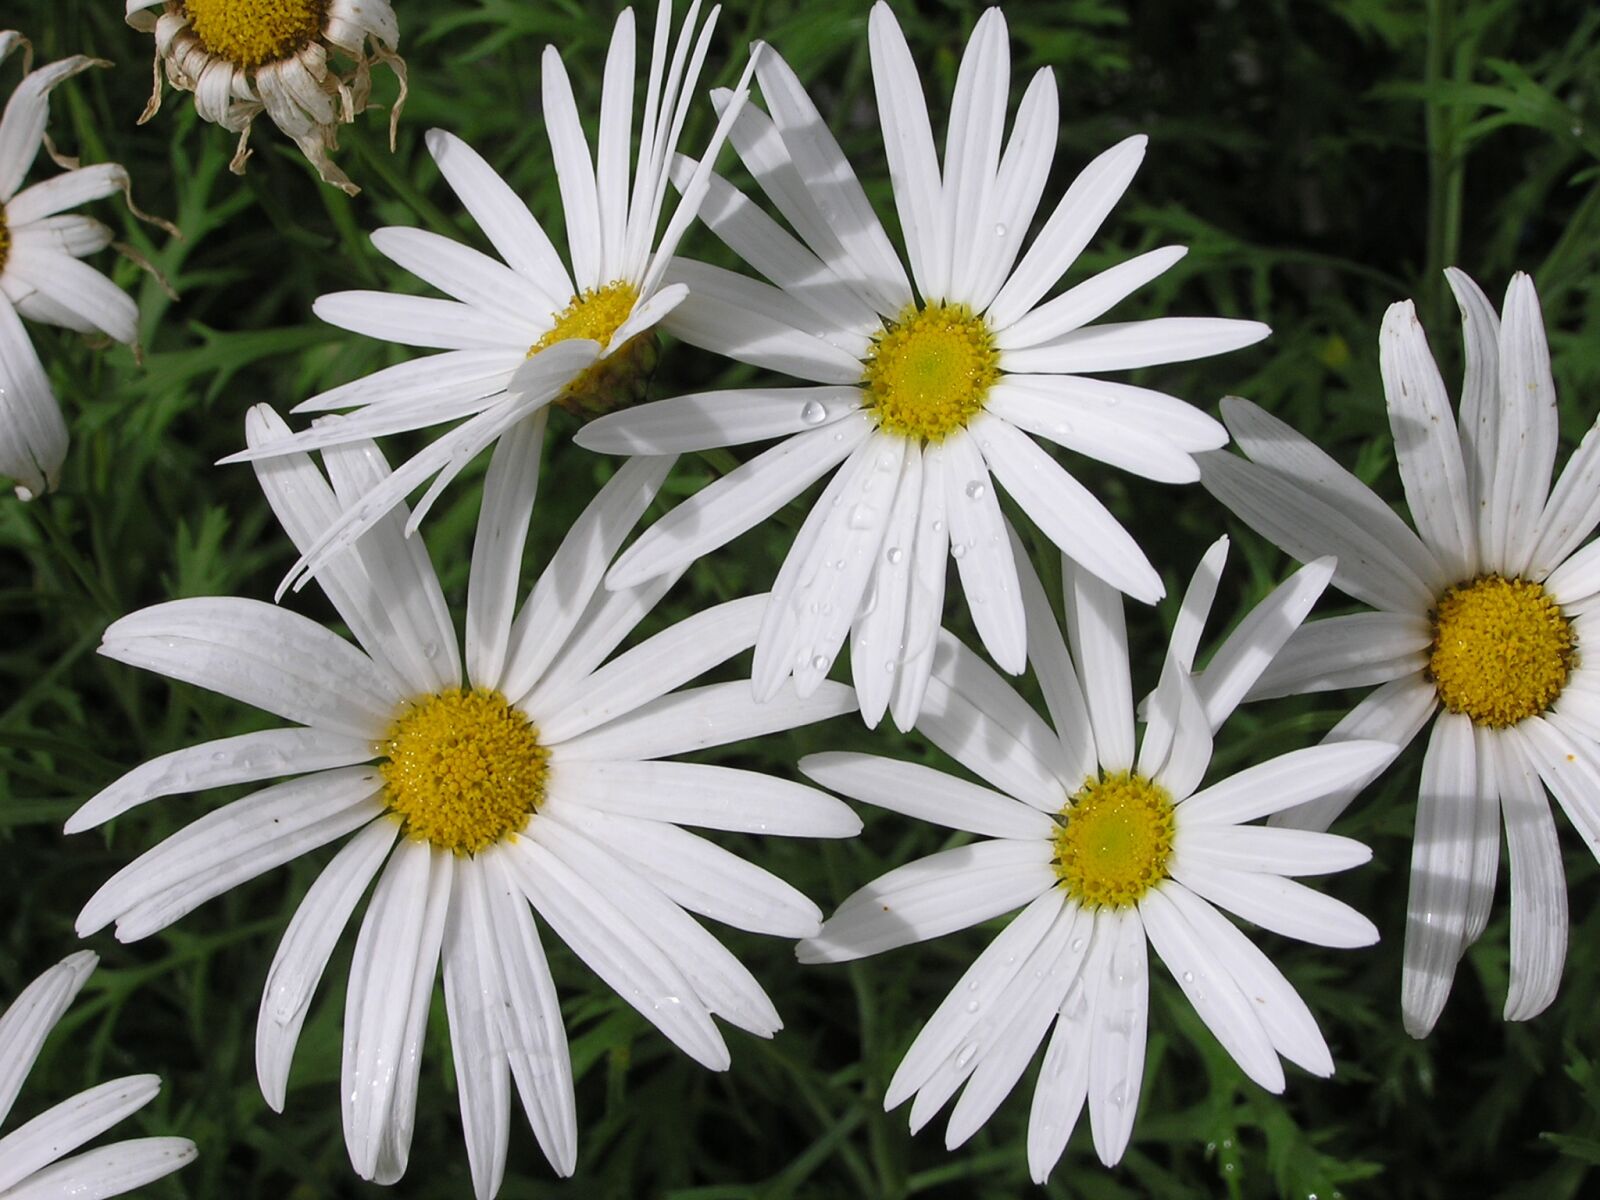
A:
(908, 146)
(247, 758)
(950, 890)
(574, 172)
(108, 1170)
(305, 948)
(1278, 904)
(1024, 169)
(1573, 509)
(707, 420)
(979, 542)
(1441, 861)
(507, 507)
(1538, 886)
(1426, 444)
(878, 636)
(1099, 637)
(464, 274)
(22, 125)
(972, 150)
(986, 748)
(64, 191)
(1349, 651)
(76, 287)
(1528, 430)
(929, 555)
(1285, 781)
(423, 321)
(615, 949)
(505, 220)
(261, 655)
(926, 794)
(32, 1015)
(64, 1127)
(1058, 678)
(1479, 416)
(1188, 954)
(1118, 973)
(1128, 345)
(1065, 511)
(33, 435)
(1091, 428)
(754, 323)
(1268, 849)
(1092, 298)
(413, 390)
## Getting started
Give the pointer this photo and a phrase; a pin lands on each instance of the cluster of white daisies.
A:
(525, 775)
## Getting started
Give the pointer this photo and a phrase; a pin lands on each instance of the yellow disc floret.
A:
(930, 371)
(1502, 650)
(1114, 840)
(249, 33)
(464, 769)
(618, 378)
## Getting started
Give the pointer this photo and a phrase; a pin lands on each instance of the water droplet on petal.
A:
(964, 1056)
(1000, 229)
(895, 555)
(813, 413)
(976, 490)
(958, 550)
(1188, 976)
(863, 516)
(819, 663)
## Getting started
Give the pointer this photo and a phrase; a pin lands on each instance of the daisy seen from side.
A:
(1479, 622)
(502, 317)
(33, 1160)
(306, 64)
(41, 277)
(1107, 847)
(923, 399)
(470, 785)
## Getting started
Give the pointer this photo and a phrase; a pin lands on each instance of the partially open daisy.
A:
(1103, 845)
(32, 1162)
(307, 64)
(503, 318)
(531, 776)
(1484, 612)
(921, 396)
(40, 275)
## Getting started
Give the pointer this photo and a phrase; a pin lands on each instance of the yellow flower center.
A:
(464, 769)
(1114, 841)
(930, 371)
(1502, 650)
(619, 377)
(249, 33)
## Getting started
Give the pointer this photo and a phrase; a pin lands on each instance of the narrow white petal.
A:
(651, 669)
(1019, 183)
(696, 873)
(386, 1007)
(407, 395)
(1570, 768)
(1285, 781)
(574, 172)
(616, 145)
(1268, 849)
(1255, 641)
(561, 595)
(1394, 713)
(706, 420)
(739, 500)
(1057, 676)
(1074, 222)
(929, 558)
(305, 948)
(505, 220)
(908, 146)
(615, 949)
(466, 275)
(1272, 998)
(1278, 904)
(1210, 988)
(61, 192)
(1349, 651)
(247, 758)
(1441, 862)
(1099, 638)
(423, 321)
(1063, 1085)
(833, 185)
(973, 997)
(33, 435)
(707, 796)
(1528, 430)
(64, 1127)
(76, 287)
(1118, 972)
(987, 748)
(979, 542)
(927, 794)
(972, 149)
(1573, 509)
(1479, 417)
(932, 896)
(1143, 413)
(1538, 885)
(1128, 345)
(497, 547)
(1130, 441)
(108, 1170)
(878, 641)
(1095, 296)
(1426, 444)
(32, 1015)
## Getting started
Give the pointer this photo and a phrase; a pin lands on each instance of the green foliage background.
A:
(1322, 159)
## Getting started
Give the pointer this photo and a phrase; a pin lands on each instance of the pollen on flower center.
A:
(1114, 840)
(1502, 650)
(249, 33)
(619, 377)
(464, 769)
(930, 371)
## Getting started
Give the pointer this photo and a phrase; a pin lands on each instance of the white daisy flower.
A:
(922, 395)
(40, 275)
(1103, 845)
(533, 775)
(1483, 612)
(307, 64)
(31, 1156)
(502, 316)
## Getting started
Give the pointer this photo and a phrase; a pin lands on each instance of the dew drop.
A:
(976, 490)
(895, 556)
(819, 663)
(863, 516)
(966, 1053)
(813, 412)
(1188, 976)
(1000, 229)
(972, 1006)
(958, 550)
